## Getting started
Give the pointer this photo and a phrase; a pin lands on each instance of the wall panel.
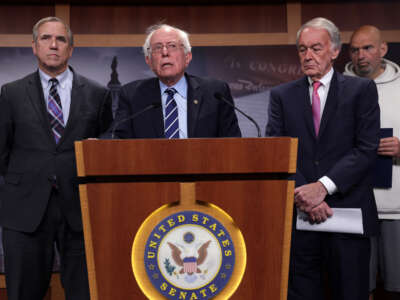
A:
(352, 14)
(193, 18)
(19, 19)
(237, 23)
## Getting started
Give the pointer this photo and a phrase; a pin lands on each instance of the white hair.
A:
(184, 36)
(322, 23)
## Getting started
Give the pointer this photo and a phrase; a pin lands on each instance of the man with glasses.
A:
(174, 104)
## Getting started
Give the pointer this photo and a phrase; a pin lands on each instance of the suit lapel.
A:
(155, 120)
(194, 102)
(35, 94)
(77, 96)
(306, 104)
(331, 101)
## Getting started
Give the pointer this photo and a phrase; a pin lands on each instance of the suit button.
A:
(316, 162)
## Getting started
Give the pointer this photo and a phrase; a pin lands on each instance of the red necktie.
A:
(316, 106)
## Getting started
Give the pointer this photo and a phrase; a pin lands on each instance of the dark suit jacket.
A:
(347, 143)
(29, 156)
(206, 116)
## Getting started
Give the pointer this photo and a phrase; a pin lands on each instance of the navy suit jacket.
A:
(345, 149)
(29, 157)
(206, 115)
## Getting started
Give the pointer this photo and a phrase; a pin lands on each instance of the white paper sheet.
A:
(344, 220)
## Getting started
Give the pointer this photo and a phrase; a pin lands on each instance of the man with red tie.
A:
(336, 119)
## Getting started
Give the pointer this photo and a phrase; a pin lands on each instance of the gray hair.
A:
(184, 36)
(322, 23)
(52, 19)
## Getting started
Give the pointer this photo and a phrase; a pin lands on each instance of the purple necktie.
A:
(316, 106)
(54, 110)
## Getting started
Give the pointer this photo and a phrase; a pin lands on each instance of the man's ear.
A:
(335, 53)
(148, 61)
(383, 49)
(188, 58)
(34, 47)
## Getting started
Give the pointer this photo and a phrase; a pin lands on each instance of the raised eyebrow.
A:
(58, 37)
(61, 38)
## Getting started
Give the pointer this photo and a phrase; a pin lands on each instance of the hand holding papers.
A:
(344, 220)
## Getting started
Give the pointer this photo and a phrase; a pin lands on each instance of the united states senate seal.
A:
(188, 252)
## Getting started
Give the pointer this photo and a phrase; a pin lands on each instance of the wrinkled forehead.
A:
(165, 35)
(53, 28)
(363, 39)
(311, 36)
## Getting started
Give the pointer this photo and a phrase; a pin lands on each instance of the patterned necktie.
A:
(54, 111)
(316, 106)
(171, 122)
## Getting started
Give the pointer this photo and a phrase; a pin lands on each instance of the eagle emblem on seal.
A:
(190, 261)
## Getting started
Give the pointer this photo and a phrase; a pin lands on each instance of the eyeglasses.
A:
(171, 47)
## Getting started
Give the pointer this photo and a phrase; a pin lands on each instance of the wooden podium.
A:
(123, 181)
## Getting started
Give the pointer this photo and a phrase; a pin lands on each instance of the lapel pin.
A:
(195, 101)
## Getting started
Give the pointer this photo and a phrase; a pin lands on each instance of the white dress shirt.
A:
(181, 101)
(323, 95)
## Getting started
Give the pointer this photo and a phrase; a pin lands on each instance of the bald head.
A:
(371, 31)
(367, 50)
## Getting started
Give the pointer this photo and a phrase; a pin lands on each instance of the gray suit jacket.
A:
(29, 157)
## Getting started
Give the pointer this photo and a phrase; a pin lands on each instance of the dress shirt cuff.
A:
(328, 184)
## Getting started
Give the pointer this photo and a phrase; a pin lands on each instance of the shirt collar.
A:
(180, 87)
(62, 78)
(325, 80)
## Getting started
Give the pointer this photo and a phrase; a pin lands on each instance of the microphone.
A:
(132, 117)
(220, 97)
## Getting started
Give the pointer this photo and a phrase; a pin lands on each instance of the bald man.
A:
(367, 50)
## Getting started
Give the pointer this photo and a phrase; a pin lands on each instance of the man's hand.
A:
(320, 213)
(389, 146)
(309, 196)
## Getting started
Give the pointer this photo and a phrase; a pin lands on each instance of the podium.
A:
(122, 182)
